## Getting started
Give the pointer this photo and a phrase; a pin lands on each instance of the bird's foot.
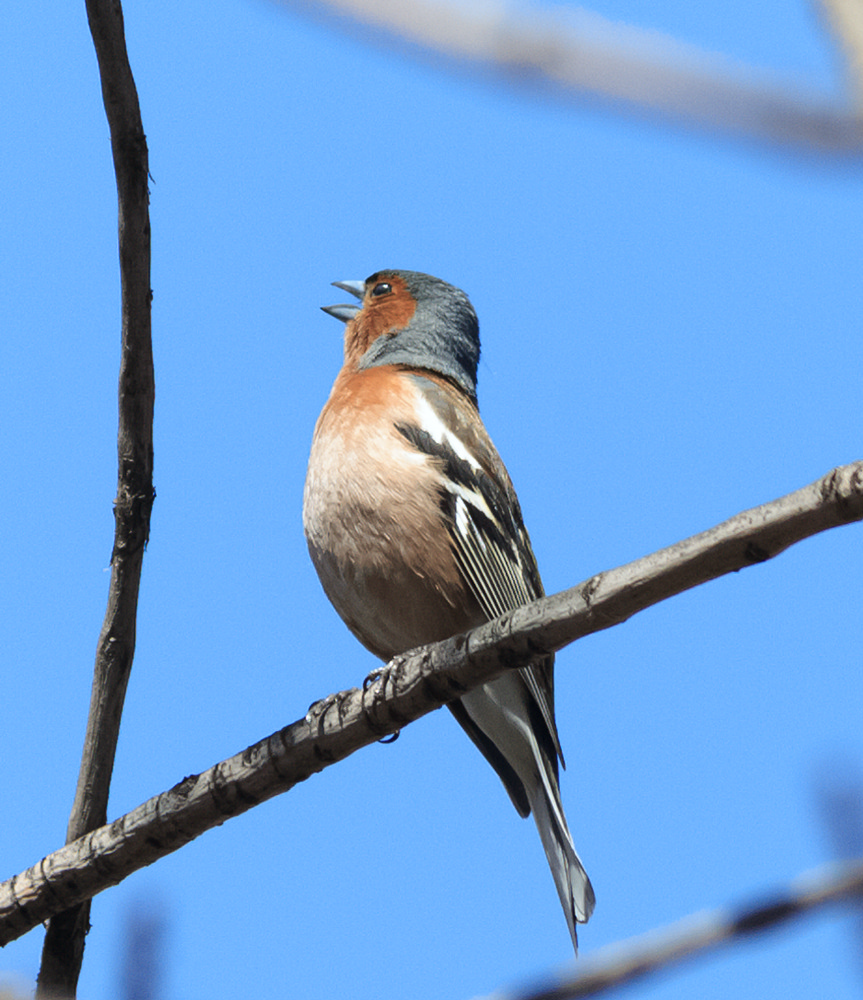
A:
(378, 674)
(318, 710)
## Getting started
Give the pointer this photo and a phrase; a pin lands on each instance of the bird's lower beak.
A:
(343, 312)
(347, 312)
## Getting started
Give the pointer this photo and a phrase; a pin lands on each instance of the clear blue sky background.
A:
(671, 331)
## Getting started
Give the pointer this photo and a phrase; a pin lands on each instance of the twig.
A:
(580, 54)
(411, 686)
(64, 942)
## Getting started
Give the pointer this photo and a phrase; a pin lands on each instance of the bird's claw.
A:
(318, 709)
(378, 674)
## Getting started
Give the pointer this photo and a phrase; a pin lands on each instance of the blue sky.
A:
(671, 334)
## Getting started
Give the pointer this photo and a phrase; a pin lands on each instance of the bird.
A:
(416, 533)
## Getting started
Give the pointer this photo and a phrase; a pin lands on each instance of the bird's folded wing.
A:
(483, 517)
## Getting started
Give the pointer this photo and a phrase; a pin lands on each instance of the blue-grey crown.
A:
(442, 336)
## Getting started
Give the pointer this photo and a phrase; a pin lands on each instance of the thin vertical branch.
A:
(64, 942)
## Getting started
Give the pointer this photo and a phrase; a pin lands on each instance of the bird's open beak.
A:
(346, 312)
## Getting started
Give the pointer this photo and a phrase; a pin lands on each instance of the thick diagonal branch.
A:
(411, 686)
(64, 942)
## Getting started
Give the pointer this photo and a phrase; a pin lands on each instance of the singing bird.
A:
(416, 533)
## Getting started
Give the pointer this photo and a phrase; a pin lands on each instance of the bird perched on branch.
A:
(416, 532)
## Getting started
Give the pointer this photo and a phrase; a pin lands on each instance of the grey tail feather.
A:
(570, 878)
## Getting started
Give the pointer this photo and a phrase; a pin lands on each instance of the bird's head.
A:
(411, 319)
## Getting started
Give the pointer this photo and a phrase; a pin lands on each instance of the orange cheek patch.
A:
(378, 317)
(391, 312)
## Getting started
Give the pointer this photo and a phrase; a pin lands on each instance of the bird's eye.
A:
(382, 288)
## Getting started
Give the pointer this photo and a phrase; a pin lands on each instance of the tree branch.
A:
(580, 54)
(412, 685)
(64, 942)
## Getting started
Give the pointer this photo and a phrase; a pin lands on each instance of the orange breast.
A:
(373, 520)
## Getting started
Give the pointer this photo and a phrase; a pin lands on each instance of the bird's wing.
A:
(511, 719)
(482, 513)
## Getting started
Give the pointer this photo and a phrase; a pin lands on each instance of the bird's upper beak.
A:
(356, 288)
(346, 312)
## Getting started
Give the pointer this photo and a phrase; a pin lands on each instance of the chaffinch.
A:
(416, 533)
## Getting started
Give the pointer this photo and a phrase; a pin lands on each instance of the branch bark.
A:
(410, 686)
(63, 949)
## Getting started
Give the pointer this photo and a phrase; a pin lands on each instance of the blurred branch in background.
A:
(143, 952)
(845, 20)
(839, 796)
(576, 53)
(611, 967)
